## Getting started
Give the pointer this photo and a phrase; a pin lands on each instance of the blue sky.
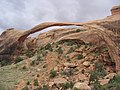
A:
(24, 14)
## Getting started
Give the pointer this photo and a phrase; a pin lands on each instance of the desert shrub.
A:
(99, 68)
(48, 47)
(25, 88)
(44, 53)
(67, 85)
(115, 79)
(83, 71)
(32, 63)
(96, 85)
(2, 87)
(78, 30)
(28, 83)
(18, 59)
(93, 76)
(24, 67)
(44, 87)
(68, 42)
(70, 50)
(94, 79)
(68, 59)
(4, 63)
(79, 56)
(113, 84)
(68, 73)
(35, 82)
(105, 49)
(76, 88)
(39, 58)
(40, 49)
(29, 53)
(98, 73)
(60, 51)
(53, 73)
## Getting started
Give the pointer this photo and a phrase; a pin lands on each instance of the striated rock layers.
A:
(98, 32)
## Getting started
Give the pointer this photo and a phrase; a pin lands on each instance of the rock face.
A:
(115, 10)
(11, 39)
(97, 32)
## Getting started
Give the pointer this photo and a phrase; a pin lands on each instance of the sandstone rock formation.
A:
(104, 31)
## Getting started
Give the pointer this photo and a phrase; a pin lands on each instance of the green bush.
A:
(83, 71)
(78, 30)
(44, 53)
(18, 59)
(99, 68)
(60, 51)
(28, 83)
(2, 87)
(98, 73)
(68, 73)
(70, 50)
(76, 88)
(68, 59)
(97, 52)
(67, 85)
(29, 53)
(93, 76)
(25, 88)
(44, 87)
(36, 82)
(113, 84)
(48, 47)
(32, 63)
(53, 74)
(79, 56)
(39, 58)
(115, 79)
(4, 63)
(96, 85)
(105, 49)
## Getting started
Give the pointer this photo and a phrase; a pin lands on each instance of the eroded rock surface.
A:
(97, 32)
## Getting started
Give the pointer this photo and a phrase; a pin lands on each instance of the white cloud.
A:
(24, 14)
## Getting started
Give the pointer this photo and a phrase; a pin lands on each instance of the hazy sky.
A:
(24, 14)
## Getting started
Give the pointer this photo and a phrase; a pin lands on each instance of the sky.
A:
(24, 14)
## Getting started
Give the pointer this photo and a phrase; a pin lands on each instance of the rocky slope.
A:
(83, 58)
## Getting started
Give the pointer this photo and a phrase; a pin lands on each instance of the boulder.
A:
(70, 65)
(81, 86)
(104, 81)
(86, 63)
(110, 76)
(60, 80)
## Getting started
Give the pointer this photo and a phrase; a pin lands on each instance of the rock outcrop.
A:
(97, 32)
(115, 10)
